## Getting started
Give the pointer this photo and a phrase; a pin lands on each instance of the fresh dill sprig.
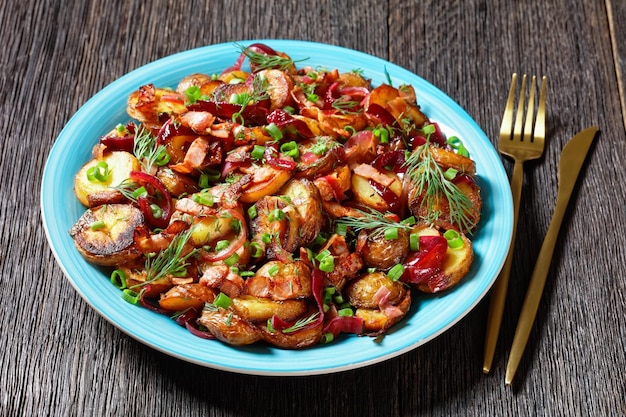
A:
(147, 151)
(264, 61)
(429, 180)
(258, 93)
(373, 221)
(345, 105)
(169, 261)
(302, 323)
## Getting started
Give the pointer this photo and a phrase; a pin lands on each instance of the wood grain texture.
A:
(60, 358)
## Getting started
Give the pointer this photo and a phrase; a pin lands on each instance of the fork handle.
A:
(498, 293)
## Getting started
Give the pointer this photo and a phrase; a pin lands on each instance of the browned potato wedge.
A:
(148, 103)
(93, 192)
(279, 87)
(176, 183)
(365, 194)
(448, 159)
(266, 181)
(229, 327)
(303, 194)
(276, 227)
(257, 309)
(280, 281)
(193, 80)
(362, 291)
(305, 337)
(104, 235)
(185, 296)
(376, 320)
(381, 253)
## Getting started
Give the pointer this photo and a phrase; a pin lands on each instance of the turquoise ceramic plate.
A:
(430, 316)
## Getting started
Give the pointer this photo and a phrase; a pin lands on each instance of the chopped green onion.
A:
(391, 233)
(256, 251)
(157, 211)
(252, 213)
(222, 244)
(118, 278)
(232, 259)
(414, 242)
(382, 134)
(458, 146)
(97, 225)
(205, 198)
(327, 338)
(290, 149)
(312, 97)
(341, 229)
(130, 296)
(409, 221)
(270, 328)
(203, 181)
(276, 215)
(266, 238)
(450, 174)
(323, 254)
(244, 274)
(396, 272)
(345, 312)
(327, 264)
(258, 152)
(100, 172)
(319, 239)
(454, 239)
(429, 129)
(162, 159)
(274, 131)
(140, 192)
(328, 294)
(222, 301)
(273, 270)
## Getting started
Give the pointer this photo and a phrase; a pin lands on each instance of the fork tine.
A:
(530, 113)
(540, 123)
(519, 120)
(506, 128)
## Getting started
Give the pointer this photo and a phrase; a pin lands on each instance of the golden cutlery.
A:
(570, 162)
(522, 143)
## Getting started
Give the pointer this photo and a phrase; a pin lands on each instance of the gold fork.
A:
(522, 143)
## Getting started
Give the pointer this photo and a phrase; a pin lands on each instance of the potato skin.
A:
(381, 253)
(95, 193)
(258, 310)
(305, 196)
(185, 296)
(113, 243)
(376, 321)
(361, 292)
(226, 325)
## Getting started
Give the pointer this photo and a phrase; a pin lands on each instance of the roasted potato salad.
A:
(278, 204)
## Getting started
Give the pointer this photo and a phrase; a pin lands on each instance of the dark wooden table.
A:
(60, 358)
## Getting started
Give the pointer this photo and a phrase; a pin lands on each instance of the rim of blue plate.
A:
(430, 316)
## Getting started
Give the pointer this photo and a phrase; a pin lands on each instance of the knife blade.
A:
(570, 162)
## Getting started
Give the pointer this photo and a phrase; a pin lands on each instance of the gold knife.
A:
(570, 162)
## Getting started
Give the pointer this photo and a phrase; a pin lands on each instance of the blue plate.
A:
(430, 315)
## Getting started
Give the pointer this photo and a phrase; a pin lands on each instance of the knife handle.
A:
(535, 289)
